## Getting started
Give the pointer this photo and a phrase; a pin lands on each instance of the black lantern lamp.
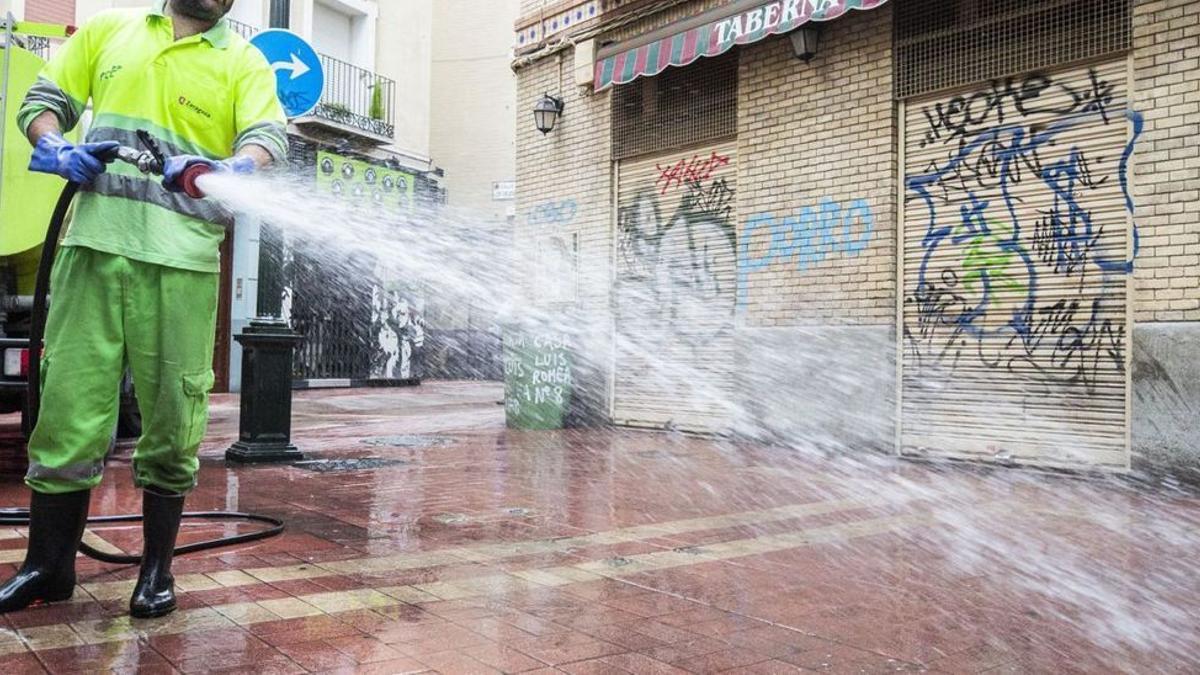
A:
(804, 41)
(546, 112)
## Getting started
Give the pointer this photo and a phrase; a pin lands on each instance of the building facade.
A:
(948, 228)
(473, 136)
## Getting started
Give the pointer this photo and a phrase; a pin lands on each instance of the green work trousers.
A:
(107, 311)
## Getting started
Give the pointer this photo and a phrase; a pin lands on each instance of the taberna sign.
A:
(777, 17)
(619, 65)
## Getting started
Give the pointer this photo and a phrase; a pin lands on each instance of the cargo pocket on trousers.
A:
(194, 416)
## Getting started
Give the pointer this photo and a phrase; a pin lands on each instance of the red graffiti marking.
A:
(689, 171)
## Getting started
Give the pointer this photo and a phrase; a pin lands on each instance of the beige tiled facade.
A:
(826, 135)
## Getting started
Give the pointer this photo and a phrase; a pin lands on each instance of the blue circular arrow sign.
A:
(299, 77)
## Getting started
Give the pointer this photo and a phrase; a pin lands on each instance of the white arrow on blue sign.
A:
(299, 77)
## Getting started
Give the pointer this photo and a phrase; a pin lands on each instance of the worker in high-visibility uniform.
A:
(136, 280)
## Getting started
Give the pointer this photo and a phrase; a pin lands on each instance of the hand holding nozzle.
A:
(80, 163)
(182, 171)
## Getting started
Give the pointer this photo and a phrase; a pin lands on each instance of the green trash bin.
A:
(537, 379)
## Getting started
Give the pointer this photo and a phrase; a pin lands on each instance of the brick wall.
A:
(817, 179)
(50, 11)
(1167, 163)
(564, 189)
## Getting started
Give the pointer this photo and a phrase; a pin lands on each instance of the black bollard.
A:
(265, 427)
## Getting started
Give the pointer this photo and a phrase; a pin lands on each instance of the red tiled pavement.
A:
(488, 550)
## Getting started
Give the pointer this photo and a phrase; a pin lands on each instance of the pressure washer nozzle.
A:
(189, 178)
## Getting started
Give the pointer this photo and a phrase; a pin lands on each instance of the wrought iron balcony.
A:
(353, 97)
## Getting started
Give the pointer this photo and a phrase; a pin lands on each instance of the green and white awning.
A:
(719, 36)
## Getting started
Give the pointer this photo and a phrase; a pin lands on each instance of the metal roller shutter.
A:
(1017, 250)
(676, 289)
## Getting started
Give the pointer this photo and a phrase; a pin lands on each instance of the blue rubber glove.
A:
(77, 163)
(174, 167)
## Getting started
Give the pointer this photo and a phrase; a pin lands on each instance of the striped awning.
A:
(719, 36)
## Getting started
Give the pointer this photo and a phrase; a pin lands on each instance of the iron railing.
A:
(353, 96)
(357, 97)
(244, 29)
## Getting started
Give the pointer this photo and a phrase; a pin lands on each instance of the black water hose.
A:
(37, 332)
(20, 517)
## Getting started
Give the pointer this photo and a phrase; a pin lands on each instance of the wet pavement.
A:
(423, 536)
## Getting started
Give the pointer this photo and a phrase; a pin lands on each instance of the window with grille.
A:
(940, 44)
(677, 108)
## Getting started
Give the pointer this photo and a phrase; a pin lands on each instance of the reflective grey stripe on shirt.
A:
(150, 191)
(271, 136)
(45, 95)
(129, 139)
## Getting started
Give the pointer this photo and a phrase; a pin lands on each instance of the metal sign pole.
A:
(8, 45)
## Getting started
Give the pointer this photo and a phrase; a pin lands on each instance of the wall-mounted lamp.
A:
(804, 41)
(546, 112)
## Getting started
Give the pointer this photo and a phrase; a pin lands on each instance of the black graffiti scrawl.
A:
(677, 250)
(677, 284)
(1024, 204)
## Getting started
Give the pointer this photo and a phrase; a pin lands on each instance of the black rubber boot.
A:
(48, 574)
(154, 594)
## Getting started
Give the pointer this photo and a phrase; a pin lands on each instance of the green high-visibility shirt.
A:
(209, 95)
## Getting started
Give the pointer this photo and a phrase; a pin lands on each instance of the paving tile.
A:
(502, 658)
(306, 629)
(428, 638)
(455, 663)
(22, 663)
(592, 667)
(280, 665)
(400, 666)
(190, 645)
(662, 632)
(557, 648)
(623, 636)
(720, 661)
(363, 649)
(640, 663)
(319, 655)
(832, 656)
(771, 667)
(122, 656)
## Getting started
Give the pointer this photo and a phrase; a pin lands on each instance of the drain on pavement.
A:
(352, 464)
(409, 441)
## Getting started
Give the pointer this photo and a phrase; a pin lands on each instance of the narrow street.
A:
(423, 535)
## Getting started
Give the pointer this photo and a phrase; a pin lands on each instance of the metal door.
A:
(676, 289)
(1017, 253)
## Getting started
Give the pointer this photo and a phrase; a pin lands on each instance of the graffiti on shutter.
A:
(676, 289)
(1018, 245)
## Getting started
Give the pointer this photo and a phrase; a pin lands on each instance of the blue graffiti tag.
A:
(807, 238)
(553, 212)
(1070, 222)
(984, 259)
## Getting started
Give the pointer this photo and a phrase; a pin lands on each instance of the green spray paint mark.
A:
(985, 255)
